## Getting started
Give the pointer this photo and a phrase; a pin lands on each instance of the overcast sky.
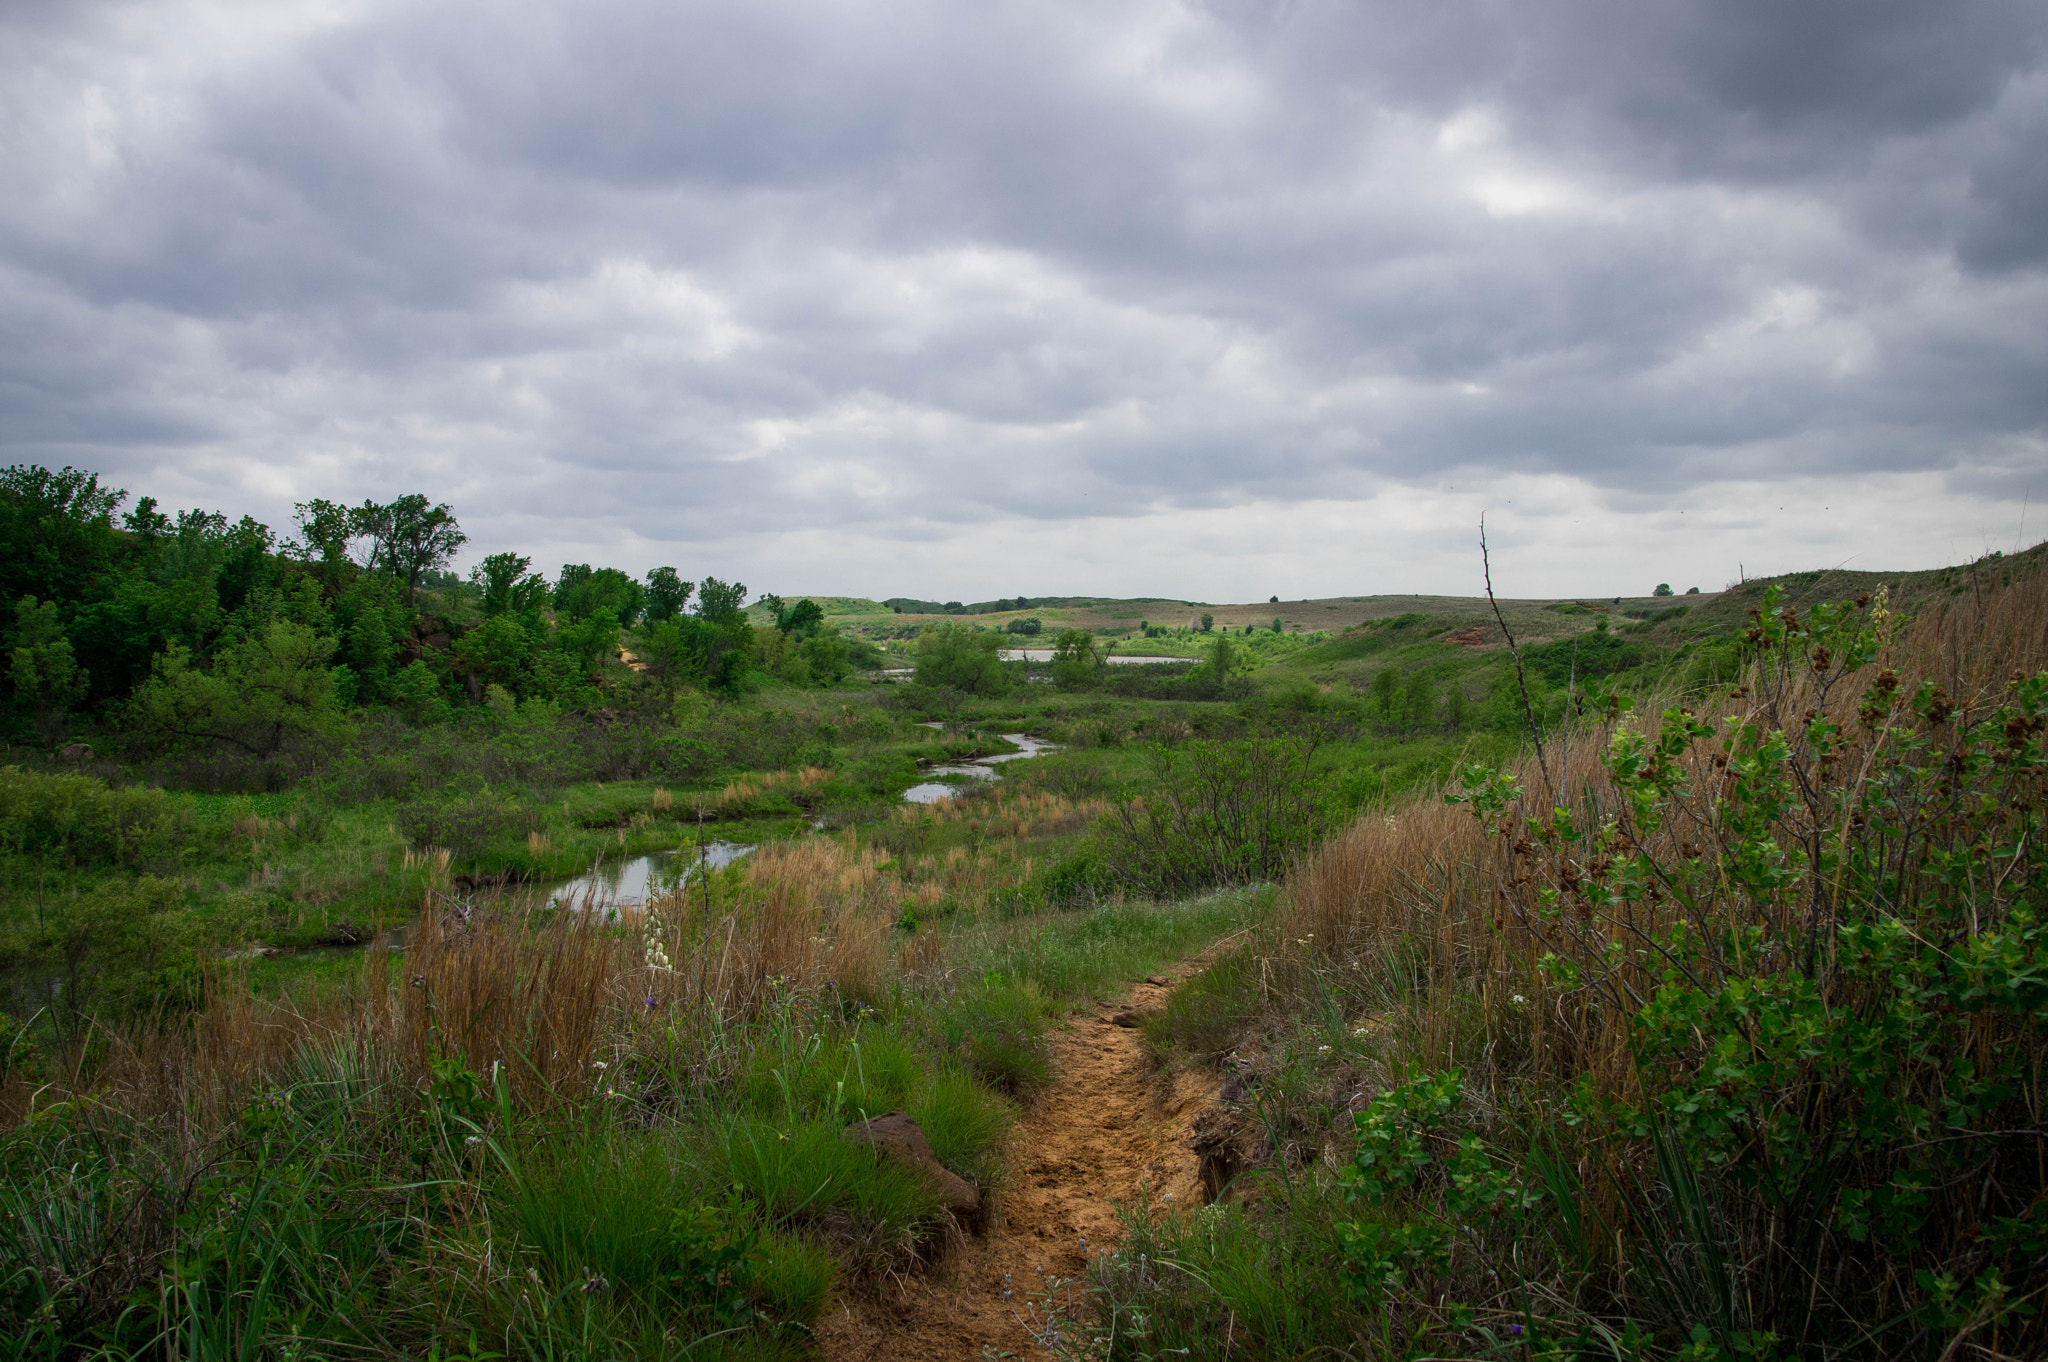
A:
(1213, 300)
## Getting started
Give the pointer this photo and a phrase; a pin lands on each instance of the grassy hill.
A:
(1642, 637)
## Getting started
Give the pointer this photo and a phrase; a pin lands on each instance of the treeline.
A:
(167, 629)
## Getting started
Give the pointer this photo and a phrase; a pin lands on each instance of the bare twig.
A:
(1521, 678)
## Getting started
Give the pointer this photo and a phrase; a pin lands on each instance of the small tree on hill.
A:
(667, 595)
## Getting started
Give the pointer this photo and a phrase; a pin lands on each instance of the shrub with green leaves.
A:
(66, 822)
(1818, 926)
(1219, 814)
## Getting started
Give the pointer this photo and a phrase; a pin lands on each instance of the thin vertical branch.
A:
(1521, 677)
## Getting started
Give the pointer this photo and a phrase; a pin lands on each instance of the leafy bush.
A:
(1585, 656)
(127, 945)
(961, 658)
(467, 827)
(73, 821)
(1221, 813)
(1817, 928)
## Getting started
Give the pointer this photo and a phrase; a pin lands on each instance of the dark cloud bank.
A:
(973, 298)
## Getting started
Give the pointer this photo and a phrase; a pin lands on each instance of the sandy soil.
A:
(1108, 1126)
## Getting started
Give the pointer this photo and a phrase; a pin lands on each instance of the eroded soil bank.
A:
(1109, 1125)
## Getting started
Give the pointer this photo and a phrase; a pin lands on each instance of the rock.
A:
(899, 1139)
(1129, 1018)
(1158, 981)
(76, 751)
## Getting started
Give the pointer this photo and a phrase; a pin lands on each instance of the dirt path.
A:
(1107, 1126)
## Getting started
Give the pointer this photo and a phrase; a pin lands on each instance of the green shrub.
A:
(962, 658)
(1585, 656)
(1836, 1018)
(468, 827)
(128, 945)
(1219, 814)
(72, 821)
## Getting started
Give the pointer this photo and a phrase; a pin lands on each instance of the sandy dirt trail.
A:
(1109, 1125)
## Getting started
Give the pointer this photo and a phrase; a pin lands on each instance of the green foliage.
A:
(1222, 657)
(1404, 1149)
(1029, 626)
(47, 678)
(56, 532)
(719, 601)
(582, 593)
(1834, 1032)
(274, 686)
(801, 617)
(501, 651)
(963, 658)
(406, 539)
(692, 650)
(1663, 589)
(826, 656)
(1418, 704)
(468, 827)
(1219, 814)
(504, 586)
(125, 946)
(1587, 656)
(67, 822)
(668, 595)
(588, 645)
(624, 1223)
(417, 693)
(1073, 660)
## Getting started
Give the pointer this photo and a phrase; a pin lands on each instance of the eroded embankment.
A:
(1109, 1125)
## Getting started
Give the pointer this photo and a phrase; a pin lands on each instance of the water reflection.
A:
(632, 882)
(1114, 659)
(980, 768)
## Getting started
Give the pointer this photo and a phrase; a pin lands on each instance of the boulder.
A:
(76, 751)
(899, 1139)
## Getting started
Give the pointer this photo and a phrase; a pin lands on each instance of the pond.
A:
(1114, 659)
(632, 882)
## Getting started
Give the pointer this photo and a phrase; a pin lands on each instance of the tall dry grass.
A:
(540, 997)
(1431, 929)
(1429, 873)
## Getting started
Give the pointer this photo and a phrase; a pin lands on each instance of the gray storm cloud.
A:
(634, 280)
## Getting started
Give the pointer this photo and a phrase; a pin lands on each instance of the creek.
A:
(930, 791)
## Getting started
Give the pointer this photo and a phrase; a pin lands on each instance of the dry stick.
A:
(1521, 679)
(1564, 753)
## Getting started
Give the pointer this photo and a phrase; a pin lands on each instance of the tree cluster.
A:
(192, 628)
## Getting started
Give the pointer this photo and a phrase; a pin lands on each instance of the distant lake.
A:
(1125, 659)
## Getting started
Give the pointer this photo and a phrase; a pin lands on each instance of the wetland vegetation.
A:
(1705, 1020)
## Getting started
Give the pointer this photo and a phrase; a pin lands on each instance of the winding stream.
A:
(978, 768)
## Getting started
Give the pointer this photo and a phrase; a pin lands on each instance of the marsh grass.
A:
(558, 1133)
